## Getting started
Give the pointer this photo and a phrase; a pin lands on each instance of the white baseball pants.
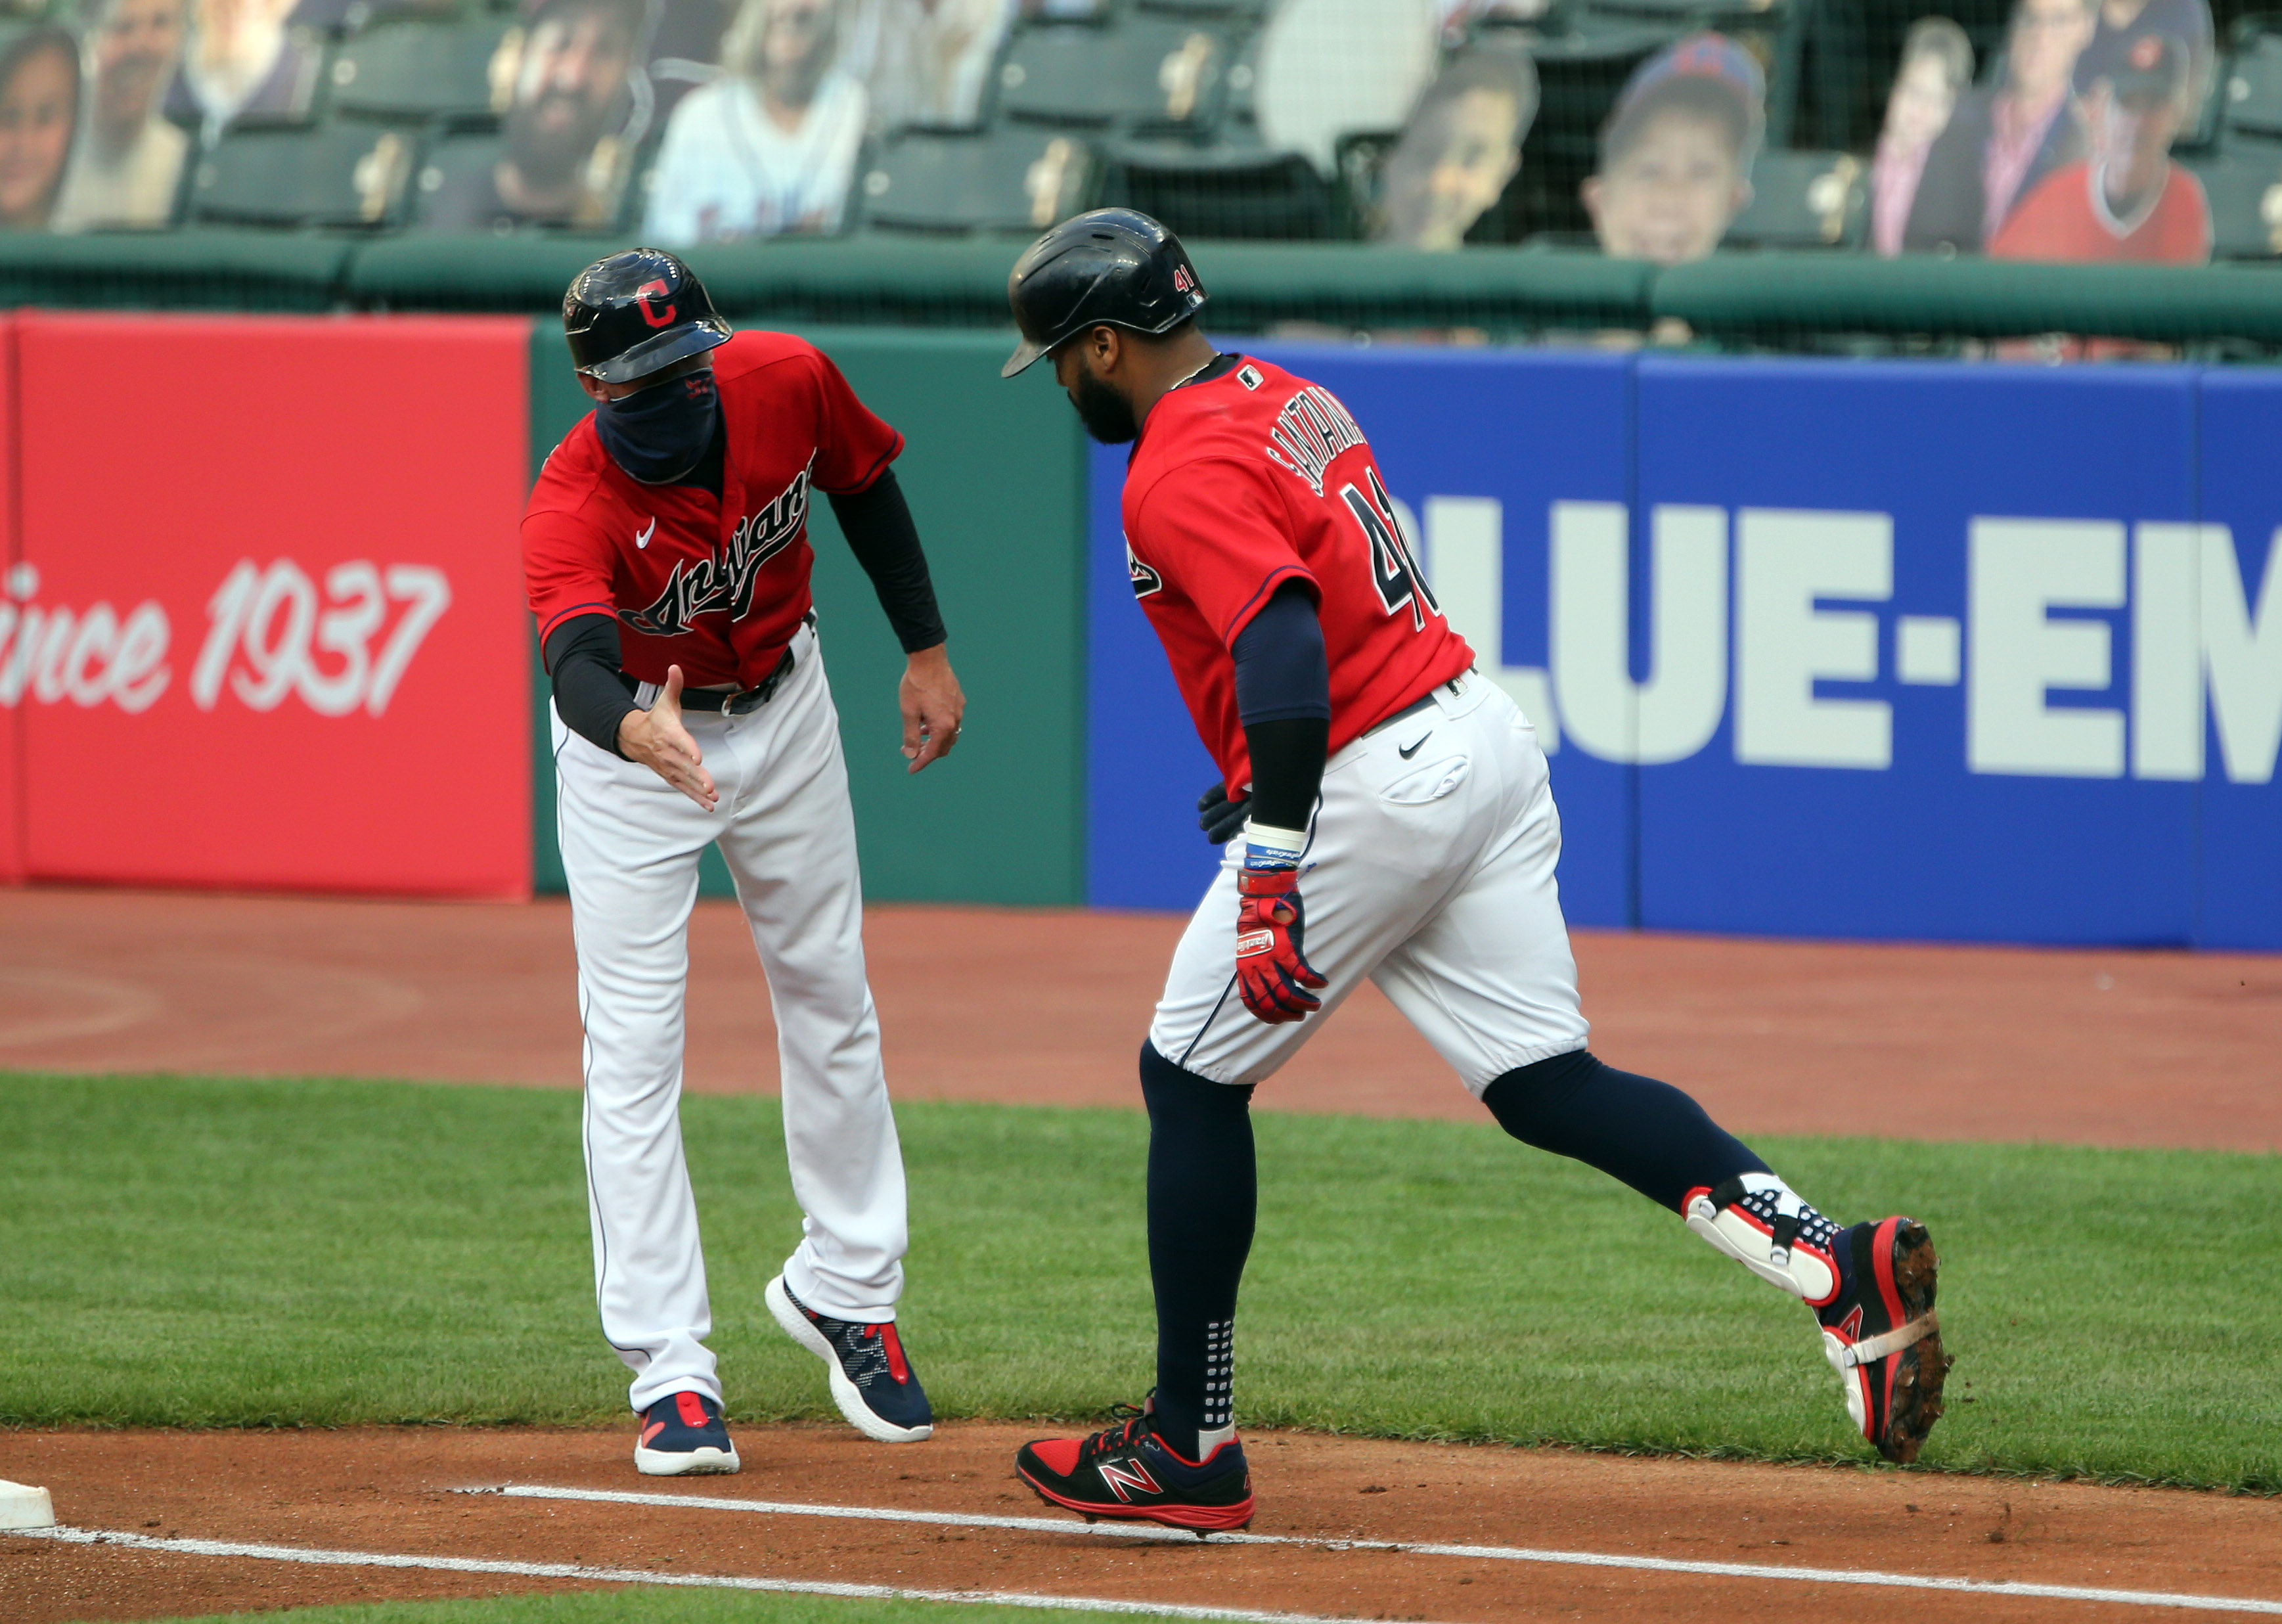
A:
(631, 843)
(1429, 869)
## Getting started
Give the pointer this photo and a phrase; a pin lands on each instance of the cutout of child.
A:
(1675, 158)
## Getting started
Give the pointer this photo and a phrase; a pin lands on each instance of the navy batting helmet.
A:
(1115, 266)
(629, 314)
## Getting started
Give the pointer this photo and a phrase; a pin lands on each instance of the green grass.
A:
(672, 1607)
(223, 1253)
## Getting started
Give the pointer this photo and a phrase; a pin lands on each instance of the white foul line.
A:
(1490, 1553)
(631, 1575)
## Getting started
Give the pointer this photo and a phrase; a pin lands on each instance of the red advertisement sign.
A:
(264, 620)
(12, 732)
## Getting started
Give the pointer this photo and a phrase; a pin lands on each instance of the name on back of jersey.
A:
(724, 583)
(1311, 429)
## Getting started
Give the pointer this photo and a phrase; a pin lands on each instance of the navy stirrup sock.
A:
(1204, 1194)
(1635, 1129)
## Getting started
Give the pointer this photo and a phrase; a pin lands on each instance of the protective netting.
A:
(1729, 171)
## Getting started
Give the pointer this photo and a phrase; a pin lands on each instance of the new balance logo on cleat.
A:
(1124, 1477)
(1128, 1471)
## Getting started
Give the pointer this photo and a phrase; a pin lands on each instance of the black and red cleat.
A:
(1881, 1335)
(1127, 1471)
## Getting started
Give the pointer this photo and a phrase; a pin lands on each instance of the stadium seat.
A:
(1359, 162)
(1805, 200)
(342, 18)
(423, 70)
(1242, 11)
(1221, 191)
(1013, 178)
(2244, 185)
(457, 163)
(335, 175)
(2251, 92)
(1727, 16)
(449, 160)
(1142, 73)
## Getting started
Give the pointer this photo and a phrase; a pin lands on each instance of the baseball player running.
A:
(1365, 766)
(667, 556)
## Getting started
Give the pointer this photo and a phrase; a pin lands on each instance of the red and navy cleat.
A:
(871, 1377)
(1881, 1335)
(1127, 1471)
(682, 1434)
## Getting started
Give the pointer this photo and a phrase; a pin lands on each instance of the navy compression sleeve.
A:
(1281, 671)
(877, 522)
(582, 657)
(1283, 697)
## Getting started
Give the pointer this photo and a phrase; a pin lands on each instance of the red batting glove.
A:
(1272, 971)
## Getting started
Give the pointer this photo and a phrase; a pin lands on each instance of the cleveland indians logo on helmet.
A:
(649, 292)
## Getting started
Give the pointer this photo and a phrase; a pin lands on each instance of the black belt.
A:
(1412, 709)
(720, 699)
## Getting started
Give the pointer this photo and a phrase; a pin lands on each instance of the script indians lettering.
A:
(711, 585)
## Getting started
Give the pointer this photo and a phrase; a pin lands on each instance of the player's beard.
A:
(1106, 414)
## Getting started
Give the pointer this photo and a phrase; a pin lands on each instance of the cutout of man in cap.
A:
(2128, 200)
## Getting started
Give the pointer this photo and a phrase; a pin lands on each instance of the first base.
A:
(23, 1506)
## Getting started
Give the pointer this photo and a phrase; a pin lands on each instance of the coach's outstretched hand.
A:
(656, 739)
(933, 707)
(1272, 971)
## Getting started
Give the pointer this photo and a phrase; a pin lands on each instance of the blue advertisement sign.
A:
(1926, 720)
(2226, 681)
(1904, 650)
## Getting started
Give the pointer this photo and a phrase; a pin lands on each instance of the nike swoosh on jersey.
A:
(642, 536)
(1421, 738)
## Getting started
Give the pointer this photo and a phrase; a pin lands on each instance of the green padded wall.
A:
(995, 474)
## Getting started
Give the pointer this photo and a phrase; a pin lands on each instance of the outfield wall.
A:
(1822, 647)
(262, 620)
(1849, 649)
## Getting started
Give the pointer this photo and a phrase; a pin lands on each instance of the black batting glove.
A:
(1221, 818)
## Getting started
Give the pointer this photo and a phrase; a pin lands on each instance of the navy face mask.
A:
(660, 433)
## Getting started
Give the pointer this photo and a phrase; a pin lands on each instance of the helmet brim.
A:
(1025, 354)
(655, 354)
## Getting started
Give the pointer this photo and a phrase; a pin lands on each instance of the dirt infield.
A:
(2107, 1047)
(2100, 1047)
(393, 1492)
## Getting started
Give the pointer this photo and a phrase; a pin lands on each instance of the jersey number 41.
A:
(1393, 571)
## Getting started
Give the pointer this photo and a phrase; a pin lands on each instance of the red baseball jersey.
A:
(717, 587)
(1245, 481)
(2068, 218)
